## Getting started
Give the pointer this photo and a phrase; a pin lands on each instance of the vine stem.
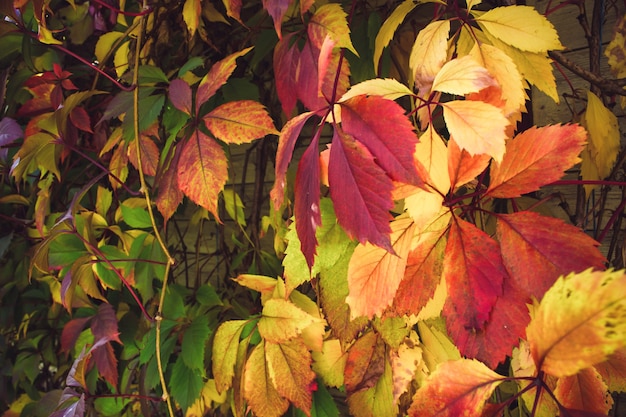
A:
(144, 189)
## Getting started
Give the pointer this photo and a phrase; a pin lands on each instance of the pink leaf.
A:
(180, 95)
(286, 57)
(277, 9)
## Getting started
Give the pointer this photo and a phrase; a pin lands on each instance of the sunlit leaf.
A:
(388, 29)
(388, 88)
(240, 122)
(225, 345)
(329, 364)
(365, 363)
(462, 76)
(584, 391)
(282, 321)
(429, 53)
(462, 166)
(260, 391)
(377, 400)
(330, 20)
(192, 12)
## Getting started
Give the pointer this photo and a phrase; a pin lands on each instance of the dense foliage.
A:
(305, 207)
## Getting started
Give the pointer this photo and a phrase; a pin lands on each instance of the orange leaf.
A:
(259, 390)
(580, 321)
(584, 391)
(202, 171)
(613, 371)
(456, 389)
(240, 122)
(149, 154)
(365, 363)
(462, 166)
(536, 157)
(170, 196)
(374, 273)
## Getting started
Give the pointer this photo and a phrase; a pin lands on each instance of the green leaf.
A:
(110, 406)
(323, 403)
(193, 63)
(185, 384)
(136, 217)
(151, 74)
(174, 305)
(234, 206)
(207, 296)
(65, 249)
(194, 342)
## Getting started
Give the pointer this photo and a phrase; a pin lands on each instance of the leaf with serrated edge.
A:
(604, 135)
(462, 166)
(240, 122)
(217, 77)
(285, 62)
(613, 370)
(289, 367)
(377, 400)
(225, 345)
(477, 127)
(202, 171)
(579, 322)
(462, 76)
(446, 394)
(329, 364)
(330, 20)
(429, 53)
(194, 342)
(521, 27)
(535, 258)
(388, 29)
(387, 88)
(404, 365)
(584, 391)
(374, 273)
(365, 362)
(169, 196)
(259, 390)
(282, 321)
(536, 157)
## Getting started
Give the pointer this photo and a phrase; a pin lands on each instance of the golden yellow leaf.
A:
(477, 127)
(105, 44)
(462, 76)
(388, 88)
(259, 390)
(192, 9)
(604, 135)
(388, 29)
(329, 364)
(580, 321)
(377, 400)
(522, 27)
(282, 320)
(120, 60)
(225, 345)
(588, 170)
(429, 53)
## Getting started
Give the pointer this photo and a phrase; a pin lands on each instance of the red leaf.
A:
(202, 171)
(106, 362)
(286, 143)
(365, 363)
(286, 57)
(493, 343)
(277, 9)
(80, 119)
(360, 190)
(149, 154)
(240, 122)
(422, 275)
(70, 333)
(104, 324)
(170, 196)
(307, 204)
(535, 258)
(463, 167)
(217, 77)
(536, 157)
(180, 95)
(474, 273)
(381, 125)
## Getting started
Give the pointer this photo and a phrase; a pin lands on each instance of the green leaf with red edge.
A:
(365, 362)
(535, 158)
(180, 95)
(240, 122)
(496, 340)
(285, 62)
(374, 273)
(104, 324)
(259, 389)
(170, 196)
(383, 128)
(457, 389)
(217, 77)
(286, 144)
(202, 171)
(474, 274)
(360, 190)
(535, 258)
(330, 20)
(277, 9)
(289, 367)
(307, 200)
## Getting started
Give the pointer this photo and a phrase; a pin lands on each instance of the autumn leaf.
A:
(388, 29)
(240, 122)
(446, 394)
(477, 127)
(579, 322)
(259, 389)
(462, 166)
(462, 76)
(285, 62)
(536, 157)
(329, 364)
(330, 20)
(374, 273)
(169, 196)
(216, 77)
(613, 370)
(522, 27)
(282, 321)
(535, 258)
(584, 391)
(202, 171)
(404, 365)
(474, 274)
(365, 363)
(376, 401)
(192, 12)
(180, 95)
(387, 88)
(277, 9)
(429, 53)
(149, 154)
(225, 345)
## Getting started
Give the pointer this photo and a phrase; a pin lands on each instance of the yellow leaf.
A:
(404, 364)
(330, 363)
(604, 135)
(588, 170)
(225, 346)
(388, 29)
(436, 345)
(259, 390)
(234, 206)
(504, 70)
(331, 20)
(522, 27)
(212, 14)
(377, 400)
(105, 44)
(388, 88)
(282, 320)
(580, 321)
(290, 369)
(477, 127)
(46, 36)
(462, 76)
(120, 60)
(192, 9)
(429, 53)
